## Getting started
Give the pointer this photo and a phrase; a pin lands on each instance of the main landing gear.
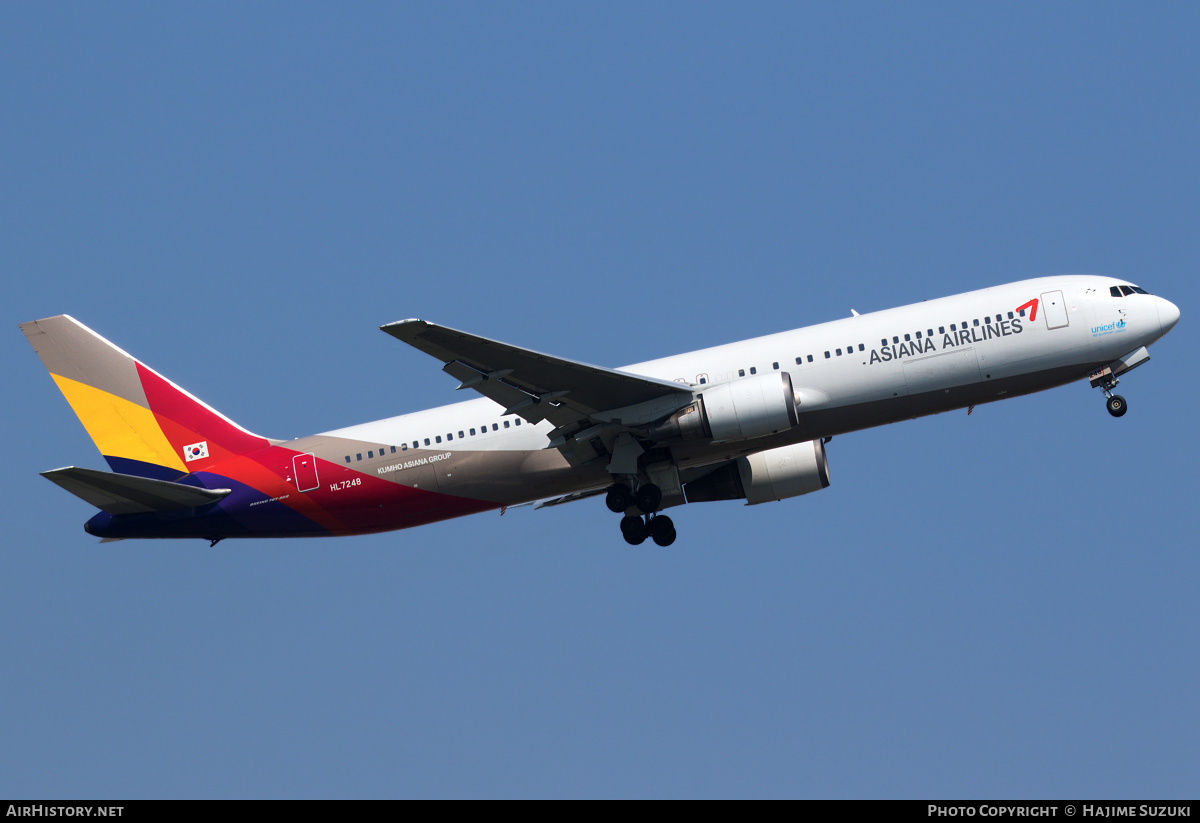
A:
(635, 528)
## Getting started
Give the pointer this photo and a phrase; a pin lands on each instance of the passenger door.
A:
(1055, 309)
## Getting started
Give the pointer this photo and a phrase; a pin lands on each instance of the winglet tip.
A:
(398, 323)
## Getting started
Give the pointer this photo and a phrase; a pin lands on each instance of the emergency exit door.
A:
(304, 467)
(1054, 308)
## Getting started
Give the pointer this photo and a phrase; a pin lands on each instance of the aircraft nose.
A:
(1168, 314)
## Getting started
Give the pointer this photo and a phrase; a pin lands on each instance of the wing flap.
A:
(127, 494)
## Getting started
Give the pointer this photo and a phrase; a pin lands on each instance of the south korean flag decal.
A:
(196, 451)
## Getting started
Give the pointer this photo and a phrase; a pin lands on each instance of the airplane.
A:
(744, 421)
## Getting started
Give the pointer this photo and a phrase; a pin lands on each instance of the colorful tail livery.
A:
(744, 421)
(143, 424)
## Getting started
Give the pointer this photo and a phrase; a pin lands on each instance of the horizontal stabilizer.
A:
(127, 494)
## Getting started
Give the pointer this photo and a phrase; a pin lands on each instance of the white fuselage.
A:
(848, 374)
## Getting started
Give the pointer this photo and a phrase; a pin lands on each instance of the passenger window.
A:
(370, 454)
(403, 447)
(427, 441)
(895, 339)
(918, 335)
(1010, 315)
(506, 424)
(417, 445)
(839, 352)
(347, 458)
(703, 381)
(941, 329)
(472, 432)
(775, 366)
(741, 372)
(517, 421)
(438, 438)
(358, 457)
(450, 436)
(929, 332)
(799, 360)
(883, 342)
(754, 370)
(393, 449)
(977, 321)
(495, 427)
(460, 434)
(826, 355)
(987, 321)
(953, 327)
(810, 358)
(861, 347)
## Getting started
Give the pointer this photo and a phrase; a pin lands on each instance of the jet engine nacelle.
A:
(774, 474)
(743, 409)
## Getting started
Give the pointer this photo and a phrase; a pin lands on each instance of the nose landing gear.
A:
(1106, 379)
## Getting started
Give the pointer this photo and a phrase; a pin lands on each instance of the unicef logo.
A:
(1120, 324)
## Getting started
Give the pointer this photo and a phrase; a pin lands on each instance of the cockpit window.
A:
(1125, 291)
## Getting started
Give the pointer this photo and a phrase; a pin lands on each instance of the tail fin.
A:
(142, 423)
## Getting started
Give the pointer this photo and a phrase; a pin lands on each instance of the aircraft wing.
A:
(533, 385)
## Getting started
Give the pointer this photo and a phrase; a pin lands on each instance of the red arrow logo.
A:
(1032, 306)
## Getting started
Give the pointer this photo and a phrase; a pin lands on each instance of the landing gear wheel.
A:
(648, 497)
(619, 498)
(662, 530)
(633, 529)
(1117, 405)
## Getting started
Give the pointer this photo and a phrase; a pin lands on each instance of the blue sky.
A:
(1000, 605)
